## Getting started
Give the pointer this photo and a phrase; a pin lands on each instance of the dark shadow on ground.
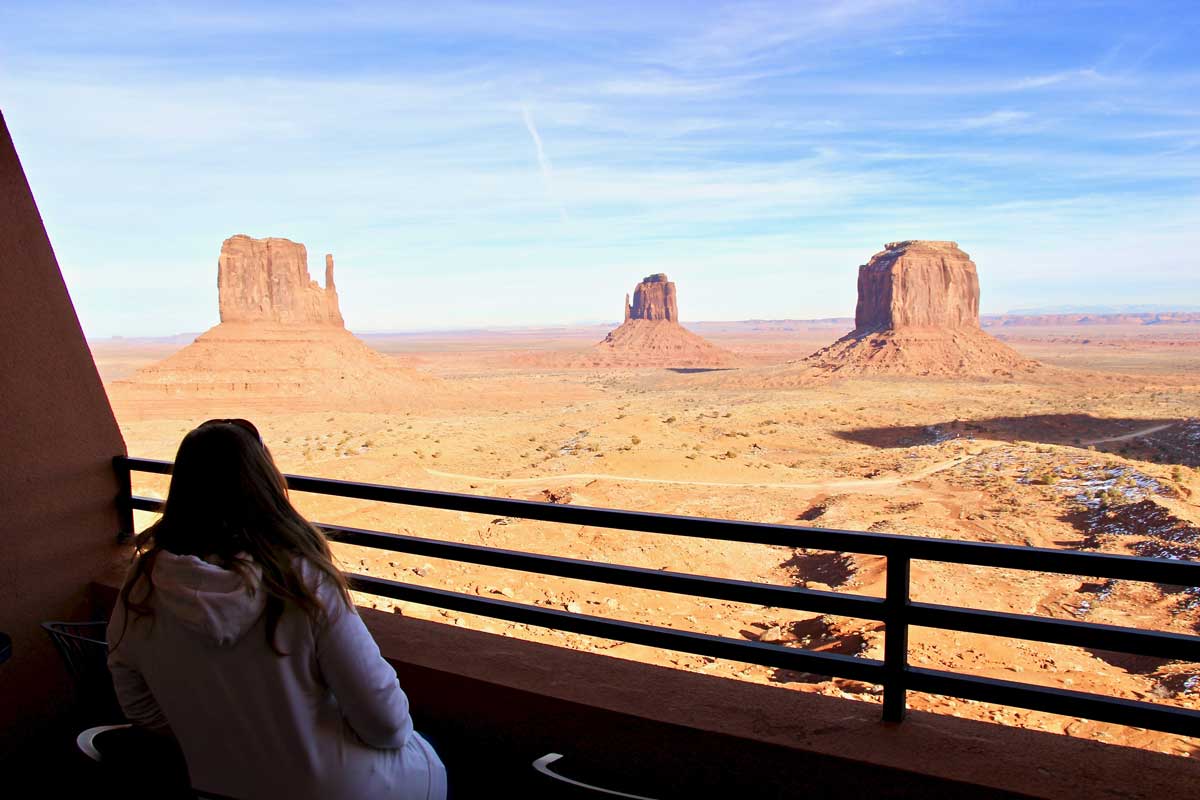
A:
(1179, 438)
(823, 566)
(694, 370)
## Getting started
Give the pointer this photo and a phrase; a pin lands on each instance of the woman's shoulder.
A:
(323, 585)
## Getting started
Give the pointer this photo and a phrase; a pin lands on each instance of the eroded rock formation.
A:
(267, 280)
(281, 335)
(917, 284)
(654, 298)
(651, 335)
(918, 314)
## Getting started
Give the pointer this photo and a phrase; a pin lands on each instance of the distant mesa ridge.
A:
(918, 314)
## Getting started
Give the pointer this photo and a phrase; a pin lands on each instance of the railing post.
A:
(895, 643)
(124, 499)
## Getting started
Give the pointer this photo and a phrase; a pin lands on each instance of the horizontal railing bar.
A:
(145, 503)
(1102, 708)
(1162, 644)
(763, 654)
(819, 602)
(846, 605)
(1045, 559)
(156, 466)
(1099, 565)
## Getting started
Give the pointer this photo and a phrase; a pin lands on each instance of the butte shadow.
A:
(1064, 429)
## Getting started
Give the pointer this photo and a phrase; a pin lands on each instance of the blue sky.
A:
(527, 163)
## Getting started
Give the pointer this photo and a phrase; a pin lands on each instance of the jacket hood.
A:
(218, 604)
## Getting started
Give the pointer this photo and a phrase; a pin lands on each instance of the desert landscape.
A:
(915, 416)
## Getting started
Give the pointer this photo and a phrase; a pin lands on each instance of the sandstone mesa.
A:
(918, 314)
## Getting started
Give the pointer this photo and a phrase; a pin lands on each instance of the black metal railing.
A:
(896, 610)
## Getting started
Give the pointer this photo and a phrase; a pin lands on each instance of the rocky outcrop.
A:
(918, 314)
(917, 284)
(281, 336)
(651, 335)
(654, 298)
(267, 280)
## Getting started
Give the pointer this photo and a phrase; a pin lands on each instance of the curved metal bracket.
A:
(542, 765)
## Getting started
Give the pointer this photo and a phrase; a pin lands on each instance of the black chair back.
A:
(84, 651)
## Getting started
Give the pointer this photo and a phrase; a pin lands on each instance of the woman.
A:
(235, 632)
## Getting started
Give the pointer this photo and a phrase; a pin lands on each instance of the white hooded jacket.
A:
(327, 720)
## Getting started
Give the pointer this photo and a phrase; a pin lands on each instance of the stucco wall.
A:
(57, 438)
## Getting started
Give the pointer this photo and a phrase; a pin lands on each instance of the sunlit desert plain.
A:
(1097, 449)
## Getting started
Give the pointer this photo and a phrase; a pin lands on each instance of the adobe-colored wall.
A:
(57, 438)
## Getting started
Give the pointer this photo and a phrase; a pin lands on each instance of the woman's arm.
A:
(364, 684)
(133, 692)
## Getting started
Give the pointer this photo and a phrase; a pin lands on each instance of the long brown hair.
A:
(228, 499)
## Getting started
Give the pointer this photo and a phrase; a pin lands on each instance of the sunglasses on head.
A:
(244, 424)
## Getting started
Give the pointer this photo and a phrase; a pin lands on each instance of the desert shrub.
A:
(1047, 478)
(634, 440)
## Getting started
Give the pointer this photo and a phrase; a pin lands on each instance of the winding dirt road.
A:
(1126, 436)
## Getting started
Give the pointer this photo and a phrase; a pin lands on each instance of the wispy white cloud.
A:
(994, 119)
(544, 164)
(1086, 75)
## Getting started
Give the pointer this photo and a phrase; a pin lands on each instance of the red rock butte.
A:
(267, 280)
(918, 314)
(651, 335)
(654, 298)
(280, 335)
